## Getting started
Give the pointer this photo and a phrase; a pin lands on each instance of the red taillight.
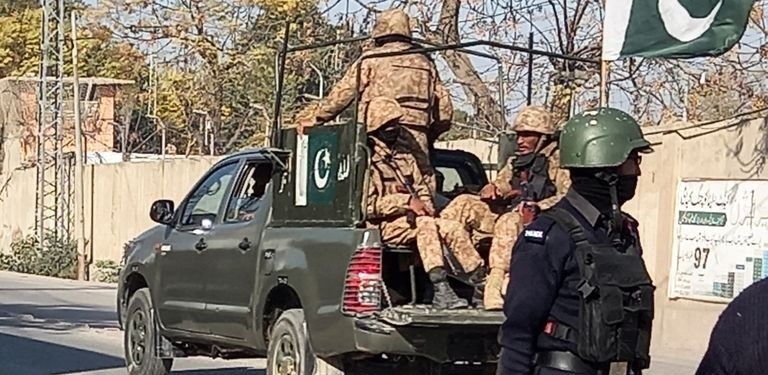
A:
(362, 286)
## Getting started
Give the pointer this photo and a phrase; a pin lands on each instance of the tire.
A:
(289, 350)
(139, 338)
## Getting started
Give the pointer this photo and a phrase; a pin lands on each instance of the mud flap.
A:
(163, 347)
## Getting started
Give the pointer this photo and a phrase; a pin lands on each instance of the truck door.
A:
(182, 265)
(233, 254)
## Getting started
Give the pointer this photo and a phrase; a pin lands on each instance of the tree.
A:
(10, 7)
(20, 36)
(217, 61)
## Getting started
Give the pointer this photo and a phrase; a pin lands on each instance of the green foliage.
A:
(13, 6)
(57, 257)
(107, 271)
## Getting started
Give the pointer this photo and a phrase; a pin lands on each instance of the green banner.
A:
(673, 28)
(710, 219)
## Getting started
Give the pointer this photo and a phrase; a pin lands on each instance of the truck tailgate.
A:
(424, 315)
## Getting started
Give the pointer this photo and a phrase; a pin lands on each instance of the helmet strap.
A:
(543, 142)
(611, 177)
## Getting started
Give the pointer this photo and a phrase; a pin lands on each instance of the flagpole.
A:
(604, 69)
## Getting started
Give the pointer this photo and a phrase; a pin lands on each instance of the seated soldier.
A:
(531, 181)
(400, 205)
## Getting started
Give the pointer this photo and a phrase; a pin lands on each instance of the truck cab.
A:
(269, 256)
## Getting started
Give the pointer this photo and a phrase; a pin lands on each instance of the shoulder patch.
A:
(537, 230)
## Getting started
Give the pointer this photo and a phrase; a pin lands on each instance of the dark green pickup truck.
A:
(268, 256)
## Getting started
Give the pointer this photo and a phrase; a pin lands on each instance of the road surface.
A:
(55, 326)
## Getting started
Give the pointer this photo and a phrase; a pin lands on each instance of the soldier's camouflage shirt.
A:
(560, 177)
(388, 196)
(410, 79)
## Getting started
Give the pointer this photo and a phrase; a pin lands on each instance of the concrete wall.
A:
(731, 149)
(118, 197)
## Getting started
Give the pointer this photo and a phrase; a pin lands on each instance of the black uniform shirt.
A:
(739, 342)
(543, 279)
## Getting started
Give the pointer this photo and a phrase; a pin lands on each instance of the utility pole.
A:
(52, 213)
(79, 167)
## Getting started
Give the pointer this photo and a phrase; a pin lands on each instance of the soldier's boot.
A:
(444, 298)
(492, 298)
(478, 279)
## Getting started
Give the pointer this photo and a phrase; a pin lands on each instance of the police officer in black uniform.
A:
(579, 299)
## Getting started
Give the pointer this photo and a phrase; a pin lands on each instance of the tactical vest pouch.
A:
(616, 306)
(539, 186)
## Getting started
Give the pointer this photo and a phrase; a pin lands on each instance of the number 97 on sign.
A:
(700, 258)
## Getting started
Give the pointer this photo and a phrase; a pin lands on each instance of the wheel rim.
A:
(286, 356)
(137, 337)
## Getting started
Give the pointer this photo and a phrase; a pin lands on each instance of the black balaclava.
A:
(593, 184)
(593, 189)
(607, 191)
(625, 188)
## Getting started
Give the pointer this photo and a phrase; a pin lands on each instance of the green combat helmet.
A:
(601, 137)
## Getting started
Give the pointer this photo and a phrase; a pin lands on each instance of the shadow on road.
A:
(38, 357)
(224, 371)
(27, 315)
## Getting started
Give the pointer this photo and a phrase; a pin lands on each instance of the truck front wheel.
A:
(290, 352)
(139, 338)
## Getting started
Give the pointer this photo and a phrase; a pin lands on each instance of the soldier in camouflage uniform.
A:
(531, 181)
(412, 80)
(401, 206)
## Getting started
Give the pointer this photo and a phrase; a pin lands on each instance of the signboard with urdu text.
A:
(721, 238)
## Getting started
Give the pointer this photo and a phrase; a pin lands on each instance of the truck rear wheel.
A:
(289, 350)
(139, 338)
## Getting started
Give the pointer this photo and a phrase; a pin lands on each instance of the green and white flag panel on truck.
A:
(673, 28)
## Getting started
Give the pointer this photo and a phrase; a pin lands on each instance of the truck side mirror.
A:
(507, 148)
(161, 211)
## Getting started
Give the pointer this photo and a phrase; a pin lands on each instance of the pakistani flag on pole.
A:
(673, 28)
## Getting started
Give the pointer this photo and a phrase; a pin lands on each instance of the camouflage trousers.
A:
(415, 140)
(506, 231)
(476, 216)
(473, 213)
(428, 234)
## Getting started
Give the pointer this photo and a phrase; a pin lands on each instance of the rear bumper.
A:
(441, 337)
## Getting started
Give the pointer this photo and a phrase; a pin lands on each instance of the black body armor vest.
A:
(538, 185)
(616, 292)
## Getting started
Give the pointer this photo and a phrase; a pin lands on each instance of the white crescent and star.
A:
(677, 21)
(322, 174)
(680, 24)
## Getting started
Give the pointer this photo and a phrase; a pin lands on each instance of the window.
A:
(248, 193)
(451, 179)
(205, 201)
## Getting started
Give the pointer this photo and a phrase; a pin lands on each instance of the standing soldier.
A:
(531, 181)
(580, 299)
(400, 205)
(411, 79)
